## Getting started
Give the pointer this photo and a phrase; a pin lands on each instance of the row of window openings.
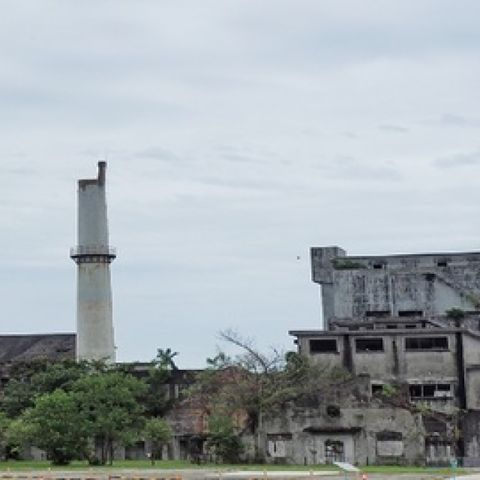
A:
(376, 344)
(387, 313)
(424, 391)
(391, 326)
(380, 266)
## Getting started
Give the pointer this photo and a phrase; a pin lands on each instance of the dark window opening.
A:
(434, 426)
(334, 451)
(410, 325)
(443, 387)
(378, 266)
(377, 388)
(428, 390)
(410, 313)
(415, 391)
(333, 411)
(323, 346)
(386, 436)
(378, 313)
(426, 343)
(442, 263)
(369, 344)
(439, 390)
(392, 326)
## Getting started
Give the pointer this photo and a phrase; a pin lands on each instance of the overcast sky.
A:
(238, 134)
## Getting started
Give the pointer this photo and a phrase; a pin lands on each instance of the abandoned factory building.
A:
(407, 328)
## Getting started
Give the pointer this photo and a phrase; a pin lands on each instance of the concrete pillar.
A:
(93, 256)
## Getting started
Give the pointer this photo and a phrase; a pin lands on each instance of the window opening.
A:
(377, 388)
(410, 313)
(334, 451)
(426, 343)
(430, 391)
(323, 346)
(369, 344)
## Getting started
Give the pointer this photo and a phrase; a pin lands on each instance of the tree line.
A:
(82, 410)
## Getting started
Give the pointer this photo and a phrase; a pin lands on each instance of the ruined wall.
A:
(393, 361)
(357, 287)
(366, 435)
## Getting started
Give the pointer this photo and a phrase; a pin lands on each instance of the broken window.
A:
(333, 411)
(389, 444)
(369, 344)
(426, 343)
(416, 391)
(410, 313)
(334, 451)
(430, 390)
(323, 346)
(377, 388)
(387, 435)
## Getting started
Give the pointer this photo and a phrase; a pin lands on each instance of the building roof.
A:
(54, 346)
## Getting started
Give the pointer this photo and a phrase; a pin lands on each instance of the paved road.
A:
(209, 474)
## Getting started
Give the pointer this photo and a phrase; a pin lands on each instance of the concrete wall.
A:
(355, 287)
(359, 429)
(394, 362)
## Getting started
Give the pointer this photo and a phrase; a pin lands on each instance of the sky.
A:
(238, 134)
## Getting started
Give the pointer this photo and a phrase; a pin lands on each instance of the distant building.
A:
(400, 322)
(25, 347)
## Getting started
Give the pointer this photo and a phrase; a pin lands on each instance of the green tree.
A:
(156, 399)
(165, 359)
(4, 425)
(56, 426)
(37, 377)
(158, 433)
(109, 402)
(257, 383)
(18, 434)
(223, 439)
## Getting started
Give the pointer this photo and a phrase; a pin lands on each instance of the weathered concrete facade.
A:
(425, 285)
(93, 255)
(408, 325)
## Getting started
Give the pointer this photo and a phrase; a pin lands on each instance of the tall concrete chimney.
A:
(93, 256)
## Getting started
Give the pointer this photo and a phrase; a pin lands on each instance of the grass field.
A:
(30, 466)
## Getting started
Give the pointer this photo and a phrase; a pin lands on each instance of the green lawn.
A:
(24, 465)
(29, 466)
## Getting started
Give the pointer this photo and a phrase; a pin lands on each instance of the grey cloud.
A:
(454, 120)
(349, 168)
(393, 128)
(459, 160)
